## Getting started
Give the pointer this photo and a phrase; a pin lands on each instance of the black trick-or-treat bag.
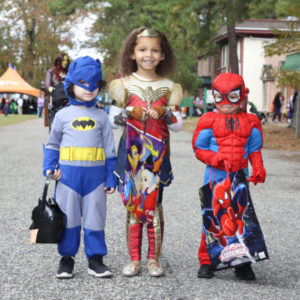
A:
(47, 220)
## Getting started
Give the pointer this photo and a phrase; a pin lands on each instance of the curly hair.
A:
(128, 65)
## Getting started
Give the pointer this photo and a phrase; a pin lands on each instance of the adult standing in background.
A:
(40, 104)
(54, 75)
(2, 103)
(277, 106)
(20, 102)
(6, 107)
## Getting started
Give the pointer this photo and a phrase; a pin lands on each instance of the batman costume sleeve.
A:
(109, 149)
(51, 151)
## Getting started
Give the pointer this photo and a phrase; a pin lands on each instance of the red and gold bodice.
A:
(132, 91)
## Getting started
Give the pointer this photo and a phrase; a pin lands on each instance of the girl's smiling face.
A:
(147, 53)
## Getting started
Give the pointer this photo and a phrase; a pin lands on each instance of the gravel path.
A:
(28, 271)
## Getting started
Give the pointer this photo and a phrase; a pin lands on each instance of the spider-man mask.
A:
(229, 88)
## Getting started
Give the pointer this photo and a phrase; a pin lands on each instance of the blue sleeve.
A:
(254, 142)
(110, 154)
(206, 140)
(51, 158)
(51, 149)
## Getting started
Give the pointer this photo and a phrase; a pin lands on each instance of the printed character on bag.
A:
(142, 175)
(232, 231)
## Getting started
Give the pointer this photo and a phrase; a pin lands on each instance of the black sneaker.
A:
(245, 272)
(98, 268)
(206, 271)
(66, 266)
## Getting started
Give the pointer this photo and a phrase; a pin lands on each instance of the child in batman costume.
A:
(225, 141)
(80, 153)
(148, 105)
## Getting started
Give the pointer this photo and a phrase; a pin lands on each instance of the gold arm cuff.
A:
(129, 110)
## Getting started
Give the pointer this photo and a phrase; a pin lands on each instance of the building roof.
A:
(256, 27)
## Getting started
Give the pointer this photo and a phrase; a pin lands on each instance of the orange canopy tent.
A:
(12, 82)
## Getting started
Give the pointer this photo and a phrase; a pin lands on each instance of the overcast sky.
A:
(79, 30)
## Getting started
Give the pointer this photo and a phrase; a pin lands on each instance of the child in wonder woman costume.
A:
(148, 107)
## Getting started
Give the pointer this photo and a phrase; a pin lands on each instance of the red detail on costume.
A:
(152, 126)
(231, 133)
(228, 82)
(154, 247)
(203, 253)
(135, 241)
(258, 172)
(135, 237)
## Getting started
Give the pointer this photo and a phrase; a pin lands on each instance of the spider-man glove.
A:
(258, 170)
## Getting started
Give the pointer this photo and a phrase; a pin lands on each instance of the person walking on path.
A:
(6, 107)
(80, 153)
(148, 105)
(20, 102)
(277, 103)
(40, 104)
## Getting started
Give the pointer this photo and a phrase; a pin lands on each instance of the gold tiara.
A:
(149, 32)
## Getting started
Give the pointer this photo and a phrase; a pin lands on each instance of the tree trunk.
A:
(232, 42)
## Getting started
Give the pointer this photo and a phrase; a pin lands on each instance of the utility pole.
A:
(297, 125)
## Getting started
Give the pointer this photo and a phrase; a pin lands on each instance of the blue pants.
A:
(80, 195)
(276, 113)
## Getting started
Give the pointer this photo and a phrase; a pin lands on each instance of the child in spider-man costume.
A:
(225, 141)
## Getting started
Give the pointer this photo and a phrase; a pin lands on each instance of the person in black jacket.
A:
(277, 106)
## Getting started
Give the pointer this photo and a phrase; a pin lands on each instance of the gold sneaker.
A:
(132, 269)
(154, 268)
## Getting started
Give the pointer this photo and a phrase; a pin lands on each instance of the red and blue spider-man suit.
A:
(226, 141)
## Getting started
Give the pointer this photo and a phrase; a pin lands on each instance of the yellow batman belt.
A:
(82, 153)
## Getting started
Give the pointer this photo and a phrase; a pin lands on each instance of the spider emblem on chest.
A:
(232, 123)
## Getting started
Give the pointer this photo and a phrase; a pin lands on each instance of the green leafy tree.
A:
(263, 9)
(7, 44)
(177, 19)
(33, 38)
(288, 41)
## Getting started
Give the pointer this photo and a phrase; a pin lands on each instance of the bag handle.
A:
(48, 179)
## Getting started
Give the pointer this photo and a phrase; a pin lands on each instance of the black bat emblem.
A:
(83, 124)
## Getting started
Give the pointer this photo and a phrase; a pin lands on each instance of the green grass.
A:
(14, 119)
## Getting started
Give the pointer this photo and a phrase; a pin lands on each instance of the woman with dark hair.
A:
(54, 75)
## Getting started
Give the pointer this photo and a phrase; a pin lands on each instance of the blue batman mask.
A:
(87, 69)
